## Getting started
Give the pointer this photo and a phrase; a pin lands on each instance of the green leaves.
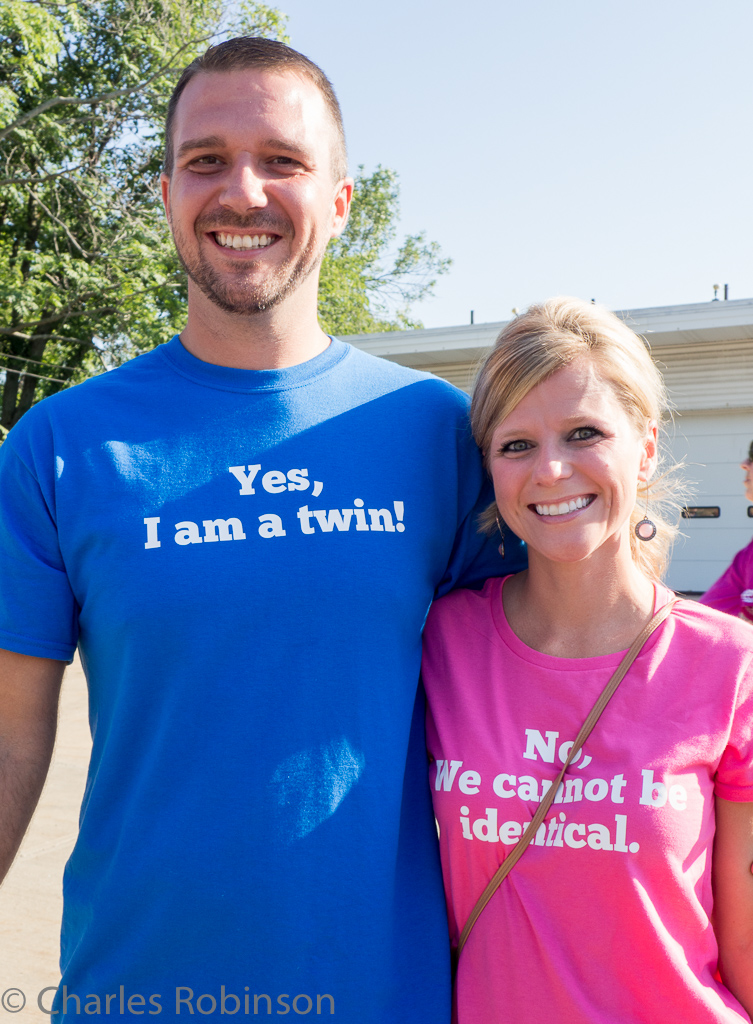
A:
(366, 284)
(29, 41)
(88, 272)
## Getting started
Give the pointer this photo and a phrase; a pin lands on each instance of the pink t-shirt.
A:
(605, 920)
(733, 591)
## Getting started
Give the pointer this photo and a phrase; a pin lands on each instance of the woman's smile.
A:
(564, 505)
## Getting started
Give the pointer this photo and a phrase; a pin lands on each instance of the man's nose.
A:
(243, 188)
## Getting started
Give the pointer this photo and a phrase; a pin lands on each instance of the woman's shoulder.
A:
(712, 628)
(463, 607)
(742, 563)
(746, 553)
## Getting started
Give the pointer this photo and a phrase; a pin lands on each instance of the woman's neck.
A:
(578, 610)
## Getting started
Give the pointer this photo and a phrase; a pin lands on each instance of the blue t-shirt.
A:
(246, 559)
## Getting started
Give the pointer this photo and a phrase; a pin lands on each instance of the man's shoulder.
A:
(71, 410)
(98, 387)
(374, 373)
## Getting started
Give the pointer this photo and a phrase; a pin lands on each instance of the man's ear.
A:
(165, 185)
(341, 206)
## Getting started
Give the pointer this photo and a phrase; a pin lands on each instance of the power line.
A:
(38, 376)
(39, 362)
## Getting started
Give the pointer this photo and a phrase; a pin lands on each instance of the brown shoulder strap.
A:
(543, 809)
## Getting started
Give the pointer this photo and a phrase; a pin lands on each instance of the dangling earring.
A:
(501, 529)
(645, 530)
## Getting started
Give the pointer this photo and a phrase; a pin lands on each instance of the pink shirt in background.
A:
(733, 591)
(605, 920)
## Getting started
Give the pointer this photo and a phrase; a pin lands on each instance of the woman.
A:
(606, 918)
(733, 591)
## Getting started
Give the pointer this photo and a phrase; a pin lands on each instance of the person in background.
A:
(733, 591)
(606, 918)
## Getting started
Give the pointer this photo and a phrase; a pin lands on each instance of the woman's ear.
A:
(650, 454)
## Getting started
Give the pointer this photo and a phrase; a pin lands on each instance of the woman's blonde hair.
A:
(548, 337)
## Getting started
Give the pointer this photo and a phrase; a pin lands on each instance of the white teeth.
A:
(243, 241)
(563, 507)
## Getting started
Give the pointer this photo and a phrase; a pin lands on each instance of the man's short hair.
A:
(254, 52)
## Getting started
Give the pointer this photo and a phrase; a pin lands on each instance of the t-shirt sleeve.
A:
(734, 776)
(38, 612)
(726, 595)
(475, 556)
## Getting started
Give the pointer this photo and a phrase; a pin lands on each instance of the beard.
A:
(232, 290)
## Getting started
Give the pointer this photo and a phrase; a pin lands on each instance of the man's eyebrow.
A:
(285, 145)
(206, 142)
(219, 142)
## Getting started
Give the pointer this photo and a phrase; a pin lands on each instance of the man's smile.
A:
(234, 241)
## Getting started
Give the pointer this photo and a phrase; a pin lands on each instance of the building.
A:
(705, 352)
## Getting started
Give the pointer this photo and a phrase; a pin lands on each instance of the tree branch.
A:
(42, 178)
(106, 310)
(115, 94)
(65, 227)
(45, 362)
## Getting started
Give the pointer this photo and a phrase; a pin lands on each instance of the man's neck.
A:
(286, 335)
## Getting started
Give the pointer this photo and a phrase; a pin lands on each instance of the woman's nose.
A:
(551, 467)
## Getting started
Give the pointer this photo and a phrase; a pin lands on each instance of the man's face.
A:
(251, 199)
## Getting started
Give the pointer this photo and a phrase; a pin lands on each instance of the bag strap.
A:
(543, 809)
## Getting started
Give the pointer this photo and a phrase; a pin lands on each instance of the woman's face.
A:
(565, 465)
(747, 465)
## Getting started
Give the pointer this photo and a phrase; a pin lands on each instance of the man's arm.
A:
(29, 692)
(733, 897)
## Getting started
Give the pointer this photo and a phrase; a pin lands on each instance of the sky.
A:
(588, 147)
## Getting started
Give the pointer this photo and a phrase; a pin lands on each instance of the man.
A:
(242, 531)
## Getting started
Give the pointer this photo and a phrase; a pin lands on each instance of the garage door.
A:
(712, 445)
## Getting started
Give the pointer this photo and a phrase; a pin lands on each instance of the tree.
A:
(358, 293)
(88, 273)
